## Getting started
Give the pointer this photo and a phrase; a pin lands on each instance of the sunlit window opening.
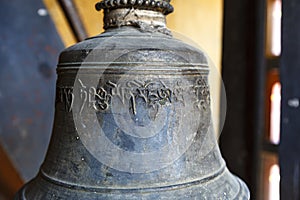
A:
(275, 113)
(276, 28)
(271, 168)
(274, 183)
(274, 15)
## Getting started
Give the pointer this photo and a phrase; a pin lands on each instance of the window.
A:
(270, 166)
(275, 99)
(273, 28)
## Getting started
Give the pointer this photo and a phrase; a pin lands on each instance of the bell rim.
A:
(198, 188)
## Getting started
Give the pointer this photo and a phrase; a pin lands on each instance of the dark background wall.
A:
(289, 149)
(243, 73)
(29, 47)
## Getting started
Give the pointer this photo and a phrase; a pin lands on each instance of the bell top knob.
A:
(162, 6)
(145, 14)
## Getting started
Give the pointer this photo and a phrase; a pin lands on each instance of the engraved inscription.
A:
(154, 93)
(65, 95)
(201, 89)
(96, 98)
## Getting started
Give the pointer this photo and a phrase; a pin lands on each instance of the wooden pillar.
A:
(289, 149)
(244, 78)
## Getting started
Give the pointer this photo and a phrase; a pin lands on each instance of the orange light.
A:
(275, 113)
(274, 183)
(276, 28)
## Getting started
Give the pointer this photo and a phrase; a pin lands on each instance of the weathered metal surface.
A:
(28, 54)
(133, 121)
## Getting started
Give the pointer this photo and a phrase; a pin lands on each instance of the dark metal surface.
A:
(29, 48)
(289, 149)
(133, 121)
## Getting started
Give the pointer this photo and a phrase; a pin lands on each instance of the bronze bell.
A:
(133, 117)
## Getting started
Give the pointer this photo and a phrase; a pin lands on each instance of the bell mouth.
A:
(223, 186)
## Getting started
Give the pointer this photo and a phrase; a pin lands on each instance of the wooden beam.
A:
(10, 181)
